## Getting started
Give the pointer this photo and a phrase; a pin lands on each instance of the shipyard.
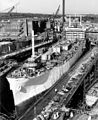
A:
(48, 62)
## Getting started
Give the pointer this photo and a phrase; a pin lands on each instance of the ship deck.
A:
(51, 92)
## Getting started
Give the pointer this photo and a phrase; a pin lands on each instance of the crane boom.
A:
(12, 8)
(57, 10)
(54, 15)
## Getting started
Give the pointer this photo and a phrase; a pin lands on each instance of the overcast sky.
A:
(50, 6)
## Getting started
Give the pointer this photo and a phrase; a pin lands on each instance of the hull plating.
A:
(24, 88)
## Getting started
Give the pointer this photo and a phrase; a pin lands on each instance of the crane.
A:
(10, 9)
(57, 11)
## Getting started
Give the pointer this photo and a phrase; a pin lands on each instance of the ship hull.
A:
(24, 88)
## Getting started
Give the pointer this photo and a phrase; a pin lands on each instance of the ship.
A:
(39, 73)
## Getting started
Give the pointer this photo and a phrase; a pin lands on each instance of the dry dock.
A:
(64, 98)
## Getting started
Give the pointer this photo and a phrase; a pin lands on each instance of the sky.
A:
(50, 6)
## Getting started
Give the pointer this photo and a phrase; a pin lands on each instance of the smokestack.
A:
(63, 4)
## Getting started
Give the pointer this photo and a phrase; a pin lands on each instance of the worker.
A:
(56, 90)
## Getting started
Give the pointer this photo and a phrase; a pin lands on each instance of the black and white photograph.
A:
(48, 59)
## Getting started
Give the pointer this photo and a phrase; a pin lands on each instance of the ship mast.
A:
(33, 53)
(63, 10)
